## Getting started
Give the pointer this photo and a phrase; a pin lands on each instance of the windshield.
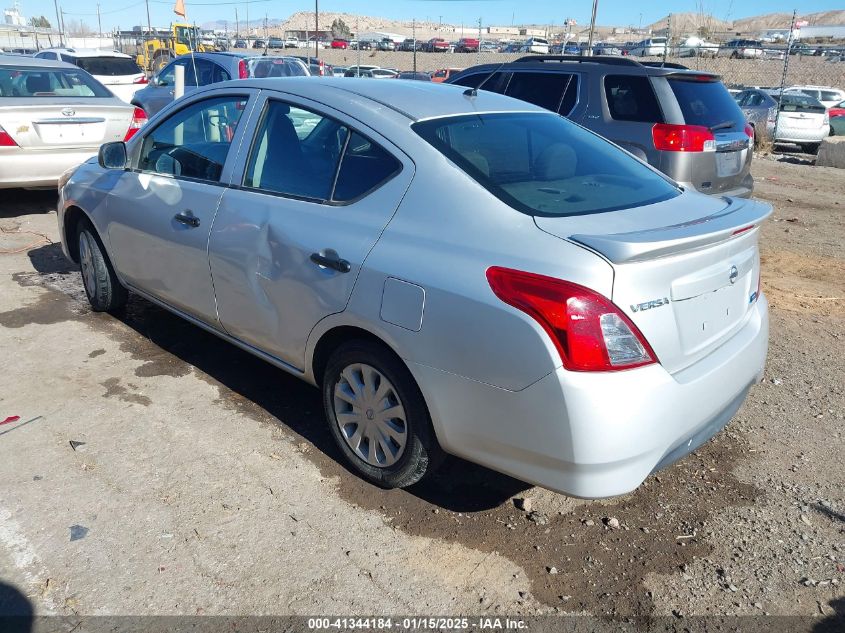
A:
(706, 103)
(108, 66)
(542, 164)
(49, 82)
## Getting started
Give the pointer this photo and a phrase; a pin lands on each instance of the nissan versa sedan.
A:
(562, 312)
(54, 116)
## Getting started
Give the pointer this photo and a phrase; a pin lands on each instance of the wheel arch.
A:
(72, 218)
(333, 338)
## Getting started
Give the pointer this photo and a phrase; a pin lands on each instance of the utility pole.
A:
(62, 11)
(58, 22)
(237, 25)
(478, 50)
(149, 33)
(317, 29)
(99, 23)
(414, 35)
(785, 70)
(247, 24)
(668, 38)
(589, 50)
(358, 36)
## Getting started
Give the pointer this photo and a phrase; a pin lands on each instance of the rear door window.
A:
(707, 103)
(364, 167)
(303, 154)
(631, 98)
(557, 92)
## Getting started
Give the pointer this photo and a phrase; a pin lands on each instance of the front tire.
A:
(104, 291)
(377, 416)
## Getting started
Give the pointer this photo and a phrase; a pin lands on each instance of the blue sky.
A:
(126, 13)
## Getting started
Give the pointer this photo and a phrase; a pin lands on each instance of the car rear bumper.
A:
(596, 435)
(41, 168)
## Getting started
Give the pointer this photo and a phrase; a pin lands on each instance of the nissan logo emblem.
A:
(68, 112)
(734, 274)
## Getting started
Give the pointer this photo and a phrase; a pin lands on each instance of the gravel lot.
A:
(156, 469)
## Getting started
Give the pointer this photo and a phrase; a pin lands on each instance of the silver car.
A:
(457, 271)
(54, 116)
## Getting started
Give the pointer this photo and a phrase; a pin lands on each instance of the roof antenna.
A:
(473, 92)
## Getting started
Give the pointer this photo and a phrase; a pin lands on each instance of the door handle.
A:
(331, 261)
(187, 220)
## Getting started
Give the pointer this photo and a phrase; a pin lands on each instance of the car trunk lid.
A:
(687, 279)
(66, 124)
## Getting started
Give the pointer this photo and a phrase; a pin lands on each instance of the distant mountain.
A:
(783, 20)
(689, 23)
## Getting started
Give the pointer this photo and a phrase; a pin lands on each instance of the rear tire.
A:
(377, 416)
(810, 148)
(104, 291)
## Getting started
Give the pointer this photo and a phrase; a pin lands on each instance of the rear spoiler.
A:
(738, 217)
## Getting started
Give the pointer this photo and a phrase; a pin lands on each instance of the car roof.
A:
(620, 65)
(415, 100)
(33, 62)
(87, 52)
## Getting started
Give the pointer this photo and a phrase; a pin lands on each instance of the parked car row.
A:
(804, 116)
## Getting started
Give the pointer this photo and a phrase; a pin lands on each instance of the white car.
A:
(803, 121)
(827, 95)
(651, 47)
(54, 116)
(538, 45)
(116, 71)
(697, 47)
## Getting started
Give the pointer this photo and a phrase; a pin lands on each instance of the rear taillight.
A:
(749, 131)
(826, 119)
(242, 70)
(588, 330)
(139, 118)
(6, 140)
(670, 137)
(141, 80)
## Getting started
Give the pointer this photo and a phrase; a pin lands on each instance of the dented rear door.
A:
(278, 221)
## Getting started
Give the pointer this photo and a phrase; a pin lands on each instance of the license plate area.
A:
(65, 133)
(728, 163)
(710, 316)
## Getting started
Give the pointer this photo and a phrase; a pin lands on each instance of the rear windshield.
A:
(49, 82)
(109, 66)
(801, 103)
(541, 164)
(707, 103)
(260, 67)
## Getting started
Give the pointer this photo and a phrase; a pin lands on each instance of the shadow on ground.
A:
(256, 388)
(17, 202)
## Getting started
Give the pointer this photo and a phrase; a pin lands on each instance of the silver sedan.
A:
(459, 272)
(54, 116)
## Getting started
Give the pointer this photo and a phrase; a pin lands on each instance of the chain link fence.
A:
(765, 71)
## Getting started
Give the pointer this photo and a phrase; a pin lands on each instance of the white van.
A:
(538, 45)
(651, 47)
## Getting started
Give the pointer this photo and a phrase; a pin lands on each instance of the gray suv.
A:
(681, 121)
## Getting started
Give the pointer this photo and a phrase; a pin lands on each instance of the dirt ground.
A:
(157, 469)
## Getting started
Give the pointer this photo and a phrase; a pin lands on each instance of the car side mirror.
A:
(112, 155)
